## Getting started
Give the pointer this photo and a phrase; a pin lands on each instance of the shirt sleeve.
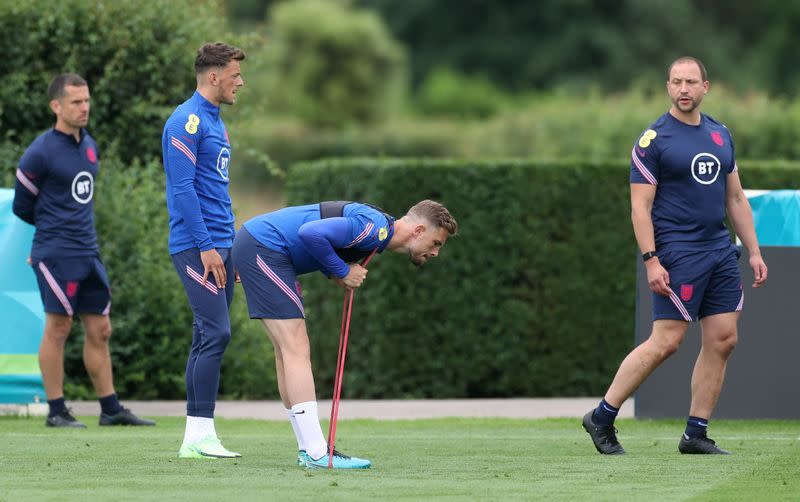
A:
(320, 237)
(644, 159)
(96, 149)
(370, 230)
(734, 167)
(31, 174)
(181, 167)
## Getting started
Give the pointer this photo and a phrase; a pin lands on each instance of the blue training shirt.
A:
(197, 155)
(312, 242)
(54, 192)
(689, 166)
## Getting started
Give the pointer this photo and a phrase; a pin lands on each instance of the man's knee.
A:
(720, 333)
(667, 337)
(98, 331)
(723, 342)
(57, 328)
(296, 349)
(104, 332)
(664, 348)
(215, 341)
(670, 348)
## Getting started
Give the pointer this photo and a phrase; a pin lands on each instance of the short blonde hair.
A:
(436, 214)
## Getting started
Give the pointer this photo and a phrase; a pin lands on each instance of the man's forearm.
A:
(741, 216)
(643, 229)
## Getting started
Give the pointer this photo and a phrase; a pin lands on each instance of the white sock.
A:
(295, 428)
(197, 428)
(307, 418)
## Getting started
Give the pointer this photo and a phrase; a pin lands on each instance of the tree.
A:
(136, 56)
(332, 65)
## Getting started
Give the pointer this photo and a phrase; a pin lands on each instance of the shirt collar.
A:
(68, 137)
(680, 122)
(206, 105)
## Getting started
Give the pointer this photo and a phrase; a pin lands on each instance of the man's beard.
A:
(694, 104)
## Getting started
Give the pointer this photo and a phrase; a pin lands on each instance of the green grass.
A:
(456, 459)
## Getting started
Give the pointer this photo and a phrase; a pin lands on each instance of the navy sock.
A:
(696, 427)
(604, 414)
(57, 406)
(110, 404)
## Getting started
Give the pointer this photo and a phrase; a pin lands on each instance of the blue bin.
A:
(777, 217)
(21, 310)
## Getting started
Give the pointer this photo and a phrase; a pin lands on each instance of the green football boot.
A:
(208, 447)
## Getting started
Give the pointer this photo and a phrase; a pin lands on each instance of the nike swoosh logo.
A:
(210, 455)
(299, 412)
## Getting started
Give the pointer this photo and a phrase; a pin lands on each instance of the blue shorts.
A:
(703, 283)
(269, 280)
(70, 286)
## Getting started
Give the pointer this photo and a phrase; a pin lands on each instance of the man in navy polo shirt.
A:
(684, 181)
(54, 192)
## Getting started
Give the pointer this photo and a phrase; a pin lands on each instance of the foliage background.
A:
(536, 104)
(137, 59)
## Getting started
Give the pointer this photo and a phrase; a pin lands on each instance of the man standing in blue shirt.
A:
(271, 250)
(684, 180)
(54, 192)
(197, 155)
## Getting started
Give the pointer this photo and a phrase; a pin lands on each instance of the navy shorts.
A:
(70, 286)
(703, 283)
(269, 280)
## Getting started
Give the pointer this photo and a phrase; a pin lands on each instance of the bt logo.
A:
(223, 159)
(83, 187)
(705, 168)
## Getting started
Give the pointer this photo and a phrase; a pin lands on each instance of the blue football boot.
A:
(340, 461)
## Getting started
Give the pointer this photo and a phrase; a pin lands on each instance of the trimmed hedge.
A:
(558, 125)
(534, 297)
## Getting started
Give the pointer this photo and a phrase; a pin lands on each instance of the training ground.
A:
(421, 450)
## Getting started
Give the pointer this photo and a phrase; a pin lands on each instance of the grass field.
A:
(456, 459)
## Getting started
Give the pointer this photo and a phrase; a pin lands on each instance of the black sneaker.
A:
(700, 445)
(124, 417)
(64, 419)
(604, 437)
